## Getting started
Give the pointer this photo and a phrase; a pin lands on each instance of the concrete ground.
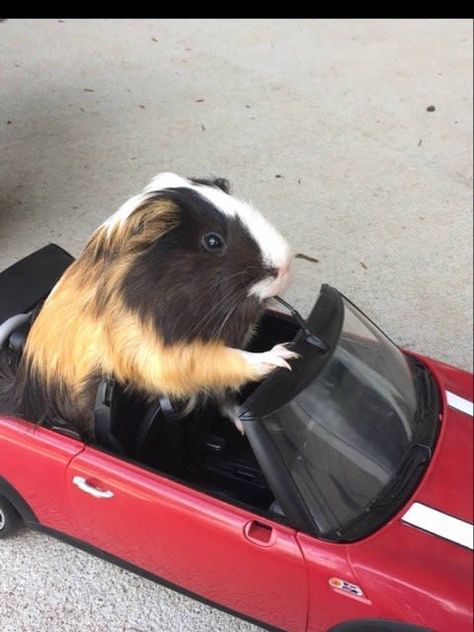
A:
(327, 126)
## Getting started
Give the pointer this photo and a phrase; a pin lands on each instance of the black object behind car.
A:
(27, 282)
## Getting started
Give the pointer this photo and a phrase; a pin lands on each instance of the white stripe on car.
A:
(441, 524)
(459, 403)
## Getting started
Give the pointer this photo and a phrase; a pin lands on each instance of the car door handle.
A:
(259, 533)
(81, 482)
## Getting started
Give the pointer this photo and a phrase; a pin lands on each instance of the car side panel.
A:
(400, 570)
(329, 605)
(33, 460)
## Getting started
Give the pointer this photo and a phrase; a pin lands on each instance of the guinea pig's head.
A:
(193, 260)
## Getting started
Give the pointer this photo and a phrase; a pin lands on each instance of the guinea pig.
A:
(163, 298)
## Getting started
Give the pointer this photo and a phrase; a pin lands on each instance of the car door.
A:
(219, 551)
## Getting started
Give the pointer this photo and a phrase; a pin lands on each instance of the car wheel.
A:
(377, 625)
(9, 519)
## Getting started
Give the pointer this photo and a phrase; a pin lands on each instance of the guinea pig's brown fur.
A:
(131, 306)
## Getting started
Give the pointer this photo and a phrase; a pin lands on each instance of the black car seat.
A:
(28, 281)
(129, 424)
(23, 286)
(117, 409)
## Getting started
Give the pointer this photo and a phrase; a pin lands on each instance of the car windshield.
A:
(344, 436)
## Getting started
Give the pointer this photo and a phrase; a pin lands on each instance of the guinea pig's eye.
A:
(213, 241)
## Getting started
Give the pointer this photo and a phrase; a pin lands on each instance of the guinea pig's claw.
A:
(268, 361)
(283, 349)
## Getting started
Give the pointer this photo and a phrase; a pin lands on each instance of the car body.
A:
(347, 505)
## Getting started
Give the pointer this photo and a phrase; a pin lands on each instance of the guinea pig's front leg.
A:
(187, 369)
(266, 362)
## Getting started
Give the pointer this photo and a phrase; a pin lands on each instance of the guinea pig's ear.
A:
(220, 183)
(223, 184)
(146, 223)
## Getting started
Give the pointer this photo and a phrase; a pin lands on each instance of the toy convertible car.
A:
(347, 505)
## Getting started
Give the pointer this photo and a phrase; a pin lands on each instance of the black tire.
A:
(9, 519)
(377, 625)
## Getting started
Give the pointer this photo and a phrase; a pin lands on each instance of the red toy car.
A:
(347, 505)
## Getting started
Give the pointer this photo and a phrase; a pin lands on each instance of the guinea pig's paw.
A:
(268, 361)
(282, 352)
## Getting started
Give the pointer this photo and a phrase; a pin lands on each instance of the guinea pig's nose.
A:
(279, 272)
(272, 271)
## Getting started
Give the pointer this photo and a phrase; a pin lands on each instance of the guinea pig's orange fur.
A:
(84, 326)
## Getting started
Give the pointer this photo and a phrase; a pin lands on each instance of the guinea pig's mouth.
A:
(271, 285)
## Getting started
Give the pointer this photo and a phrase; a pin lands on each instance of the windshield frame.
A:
(326, 321)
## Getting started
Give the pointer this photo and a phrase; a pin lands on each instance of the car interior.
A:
(200, 447)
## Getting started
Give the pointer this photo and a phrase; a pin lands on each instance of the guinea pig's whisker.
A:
(229, 314)
(213, 312)
(230, 310)
(221, 304)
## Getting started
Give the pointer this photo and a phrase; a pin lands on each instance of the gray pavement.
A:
(324, 125)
